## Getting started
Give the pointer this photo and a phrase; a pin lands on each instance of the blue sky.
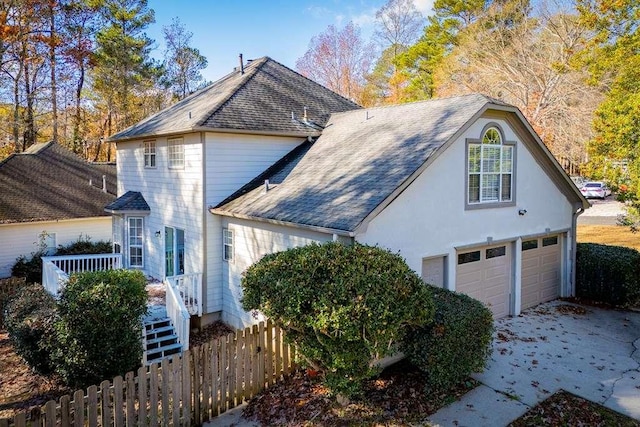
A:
(280, 29)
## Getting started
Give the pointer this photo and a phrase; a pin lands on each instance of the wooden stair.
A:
(159, 340)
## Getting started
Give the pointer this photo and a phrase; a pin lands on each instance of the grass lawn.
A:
(608, 235)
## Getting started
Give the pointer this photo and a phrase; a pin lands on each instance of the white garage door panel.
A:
(540, 274)
(487, 280)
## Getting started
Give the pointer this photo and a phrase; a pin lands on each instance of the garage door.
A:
(485, 274)
(540, 270)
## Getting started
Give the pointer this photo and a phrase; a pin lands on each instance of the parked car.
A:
(595, 189)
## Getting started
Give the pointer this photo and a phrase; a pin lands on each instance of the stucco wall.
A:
(253, 240)
(22, 239)
(429, 217)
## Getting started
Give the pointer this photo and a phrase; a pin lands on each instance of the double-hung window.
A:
(490, 169)
(136, 232)
(227, 244)
(175, 149)
(149, 154)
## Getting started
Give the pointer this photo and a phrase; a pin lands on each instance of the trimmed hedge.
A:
(457, 343)
(609, 274)
(30, 318)
(342, 306)
(99, 331)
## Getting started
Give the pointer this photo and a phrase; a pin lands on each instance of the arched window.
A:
(490, 169)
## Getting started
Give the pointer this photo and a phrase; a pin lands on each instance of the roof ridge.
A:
(249, 75)
(423, 101)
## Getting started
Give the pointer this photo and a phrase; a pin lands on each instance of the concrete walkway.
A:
(587, 351)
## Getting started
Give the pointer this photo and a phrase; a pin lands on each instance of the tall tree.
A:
(183, 63)
(339, 60)
(398, 25)
(614, 57)
(421, 60)
(527, 62)
(123, 66)
(80, 26)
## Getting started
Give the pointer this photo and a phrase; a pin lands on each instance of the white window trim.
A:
(173, 143)
(228, 232)
(149, 154)
(141, 245)
(490, 204)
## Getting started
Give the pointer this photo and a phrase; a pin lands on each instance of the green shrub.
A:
(8, 289)
(31, 267)
(342, 306)
(99, 330)
(457, 343)
(85, 246)
(609, 274)
(30, 317)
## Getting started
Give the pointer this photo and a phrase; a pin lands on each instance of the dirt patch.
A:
(395, 398)
(156, 293)
(21, 388)
(215, 330)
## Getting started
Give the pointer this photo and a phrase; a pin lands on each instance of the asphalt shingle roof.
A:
(48, 182)
(262, 99)
(361, 158)
(129, 201)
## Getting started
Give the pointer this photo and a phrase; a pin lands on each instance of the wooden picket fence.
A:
(188, 389)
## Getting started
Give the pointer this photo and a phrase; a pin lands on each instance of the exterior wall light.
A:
(521, 212)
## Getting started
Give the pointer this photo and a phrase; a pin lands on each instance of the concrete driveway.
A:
(602, 212)
(587, 351)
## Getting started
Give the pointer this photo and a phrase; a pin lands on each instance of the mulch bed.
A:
(20, 387)
(395, 398)
(566, 409)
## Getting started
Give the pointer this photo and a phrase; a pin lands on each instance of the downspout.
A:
(205, 218)
(571, 292)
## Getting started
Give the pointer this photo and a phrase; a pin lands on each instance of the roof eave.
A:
(324, 230)
(127, 212)
(196, 129)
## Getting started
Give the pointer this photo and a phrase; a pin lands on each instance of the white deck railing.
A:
(189, 287)
(56, 269)
(177, 312)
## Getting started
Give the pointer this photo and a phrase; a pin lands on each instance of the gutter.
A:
(195, 129)
(316, 228)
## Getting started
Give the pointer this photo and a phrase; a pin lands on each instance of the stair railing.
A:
(178, 313)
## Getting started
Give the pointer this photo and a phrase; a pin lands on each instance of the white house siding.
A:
(232, 161)
(429, 218)
(252, 241)
(23, 238)
(175, 197)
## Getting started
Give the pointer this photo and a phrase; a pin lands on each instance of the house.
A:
(264, 160)
(49, 195)
(179, 162)
(462, 188)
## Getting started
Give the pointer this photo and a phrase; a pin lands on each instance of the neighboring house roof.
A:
(363, 160)
(260, 100)
(131, 201)
(48, 182)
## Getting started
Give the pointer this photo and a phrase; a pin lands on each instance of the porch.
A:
(183, 293)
